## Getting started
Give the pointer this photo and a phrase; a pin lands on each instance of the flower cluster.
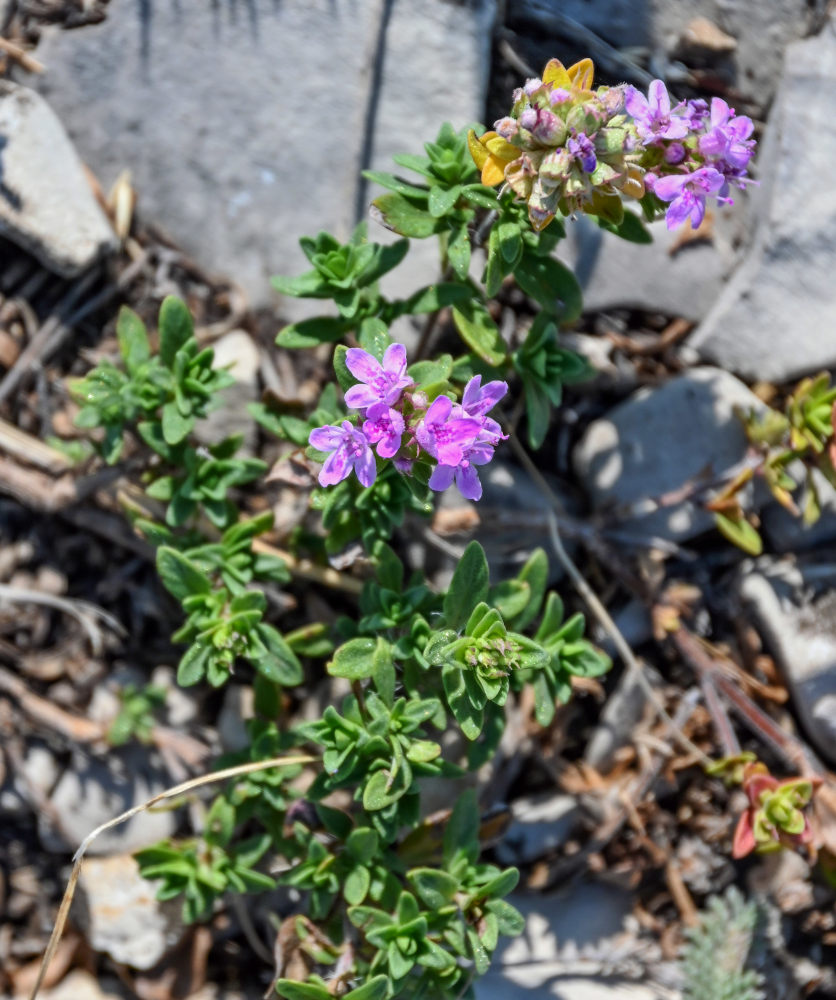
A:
(404, 426)
(566, 148)
(563, 148)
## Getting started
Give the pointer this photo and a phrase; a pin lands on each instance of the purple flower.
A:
(582, 148)
(532, 85)
(464, 473)
(477, 399)
(444, 435)
(350, 450)
(559, 96)
(380, 383)
(696, 111)
(652, 114)
(686, 194)
(384, 426)
(727, 143)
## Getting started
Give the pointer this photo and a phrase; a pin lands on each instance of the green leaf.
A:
(551, 283)
(538, 410)
(441, 200)
(176, 328)
(383, 671)
(356, 885)
(362, 844)
(458, 250)
(373, 336)
(740, 532)
(430, 372)
(194, 664)
(312, 332)
(380, 793)
(535, 573)
(501, 885)
(344, 377)
(468, 587)
(133, 339)
(435, 888)
(291, 990)
(386, 257)
(176, 427)
(479, 332)
(462, 830)
(395, 184)
(510, 597)
(310, 285)
(511, 921)
(435, 297)
(405, 217)
(469, 717)
(375, 989)
(510, 240)
(354, 659)
(280, 663)
(179, 575)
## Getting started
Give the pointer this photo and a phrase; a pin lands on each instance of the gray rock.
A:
(46, 203)
(653, 276)
(571, 949)
(660, 439)
(92, 791)
(238, 706)
(762, 30)
(246, 126)
(120, 915)
(540, 824)
(795, 609)
(787, 532)
(773, 319)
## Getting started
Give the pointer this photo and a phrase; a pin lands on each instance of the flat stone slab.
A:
(662, 276)
(246, 126)
(660, 439)
(774, 320)
(795, 609)
(46, 203)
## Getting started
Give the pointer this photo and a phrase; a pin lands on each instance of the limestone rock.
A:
(246, 126)
(788, 533)
(795, 610)
(658, 440)
(774, 319)
(46, 202)
(121, 916)
(92, 791)
(658, 277)
(541, 824)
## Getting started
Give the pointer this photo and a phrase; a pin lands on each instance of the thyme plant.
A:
(388, 901)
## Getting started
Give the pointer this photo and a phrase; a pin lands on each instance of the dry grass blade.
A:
(169, 793)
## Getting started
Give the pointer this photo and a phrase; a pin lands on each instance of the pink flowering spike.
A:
(478, 399)
(384, 426)
(687, 193)
(379, 383)
(349, 450)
